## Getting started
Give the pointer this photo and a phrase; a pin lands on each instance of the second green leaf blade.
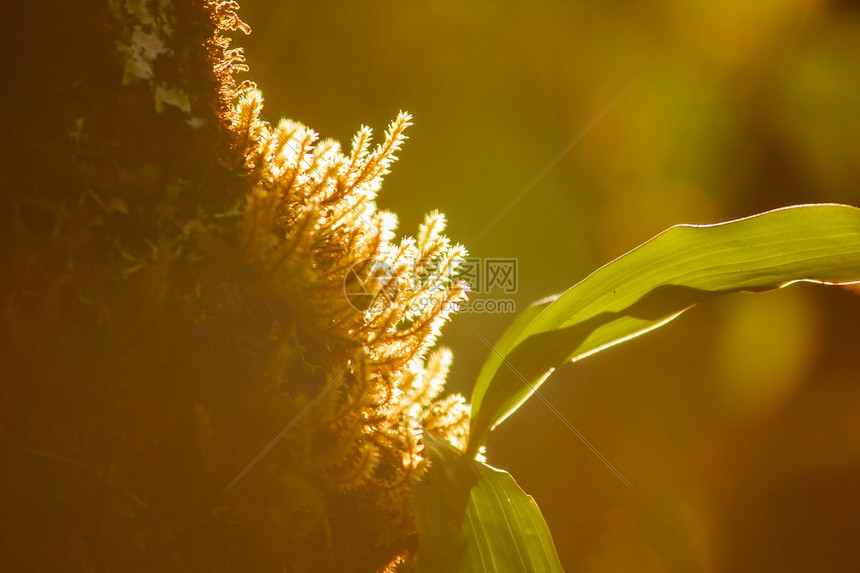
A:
(654, 283)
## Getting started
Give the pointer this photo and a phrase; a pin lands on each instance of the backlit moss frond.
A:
(364, 305)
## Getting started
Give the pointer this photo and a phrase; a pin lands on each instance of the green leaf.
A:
(654, 283)
(475, 518)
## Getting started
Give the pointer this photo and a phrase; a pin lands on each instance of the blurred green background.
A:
(739, 423)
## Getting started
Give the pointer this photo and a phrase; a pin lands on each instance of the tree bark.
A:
(124, 333)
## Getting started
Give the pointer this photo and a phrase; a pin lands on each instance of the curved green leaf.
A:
(657, 281)
(475, 518)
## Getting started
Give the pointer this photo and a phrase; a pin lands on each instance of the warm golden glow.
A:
(308, 222)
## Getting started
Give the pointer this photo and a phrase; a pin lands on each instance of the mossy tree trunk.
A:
(122, 339)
